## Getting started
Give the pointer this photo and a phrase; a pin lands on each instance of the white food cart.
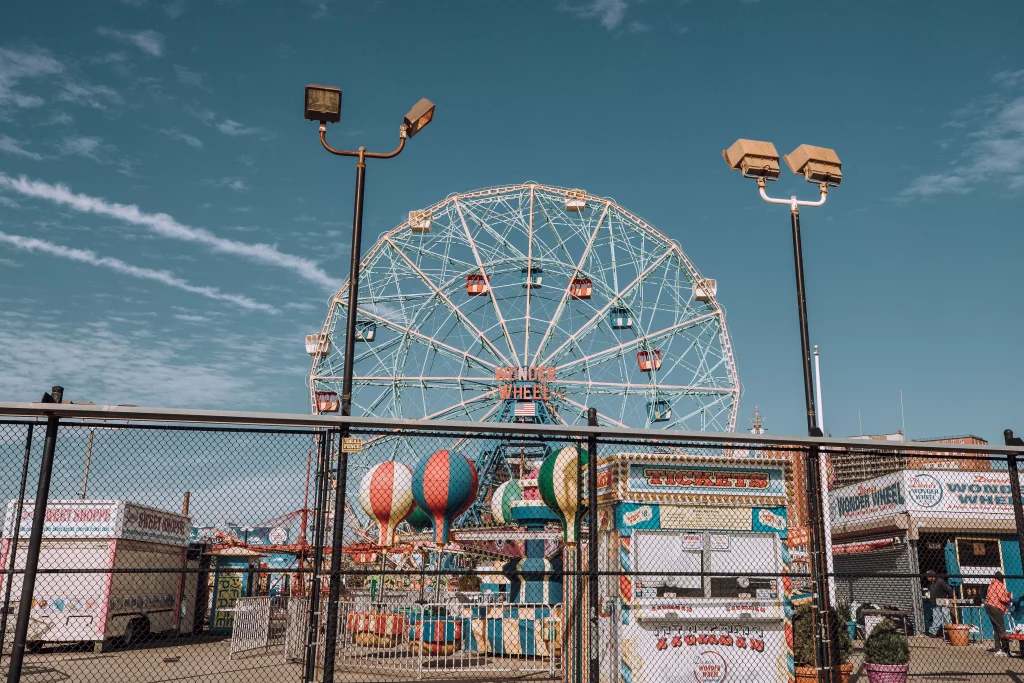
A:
(83, 536)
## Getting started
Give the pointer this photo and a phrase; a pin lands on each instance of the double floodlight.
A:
(323, 104)
(758, 159)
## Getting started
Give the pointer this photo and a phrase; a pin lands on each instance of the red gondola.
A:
(581, 288)
(476, 284)
(649, 360)
(327, 402)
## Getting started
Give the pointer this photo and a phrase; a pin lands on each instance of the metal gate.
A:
(251, 625)
(295, 629)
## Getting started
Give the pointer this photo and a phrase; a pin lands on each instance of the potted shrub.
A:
(804, 650)
(886, 654)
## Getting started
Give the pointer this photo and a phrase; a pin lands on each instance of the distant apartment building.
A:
(855, 465)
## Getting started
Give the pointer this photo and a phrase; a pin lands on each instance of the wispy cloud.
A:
(16, 66)
(226, 126)
(609, 12)
(119, 266)
(107, 365)
(189, 77)
(88, 95)
(9, 145)
(83, 146)
(175, 8)
(639, 27)
(230, 182)
(150, 42)
(164, 225)
(181, 136)
(9, 203)
(1009, 79)
(231, 127)
(991, 151)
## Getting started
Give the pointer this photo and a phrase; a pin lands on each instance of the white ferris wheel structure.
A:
(532, 303)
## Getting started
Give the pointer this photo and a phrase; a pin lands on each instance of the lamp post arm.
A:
(363, 153)
(793, 203)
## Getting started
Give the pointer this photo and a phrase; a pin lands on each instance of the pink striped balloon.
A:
(385, 494)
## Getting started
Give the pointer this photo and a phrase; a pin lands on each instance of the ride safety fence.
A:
(148, 544)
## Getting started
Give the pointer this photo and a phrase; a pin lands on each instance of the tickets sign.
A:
(689, 479)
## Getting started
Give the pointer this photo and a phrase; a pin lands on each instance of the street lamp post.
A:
(323, 104)
(819, 165)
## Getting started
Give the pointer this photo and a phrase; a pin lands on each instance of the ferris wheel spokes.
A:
(566, 294)
(460, 316)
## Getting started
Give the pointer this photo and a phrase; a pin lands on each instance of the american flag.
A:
(525, 409)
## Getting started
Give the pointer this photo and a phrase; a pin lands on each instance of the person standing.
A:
(940, 594)
(997, 601)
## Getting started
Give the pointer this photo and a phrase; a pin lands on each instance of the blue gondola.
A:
(659, 410)
(621, 319)
(366, 331)
(531, 277)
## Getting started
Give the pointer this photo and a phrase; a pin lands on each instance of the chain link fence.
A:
(306, 549)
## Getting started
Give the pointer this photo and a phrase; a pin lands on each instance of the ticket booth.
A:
(702, 546)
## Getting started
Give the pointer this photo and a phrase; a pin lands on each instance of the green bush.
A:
(886, 645)
(803, 637)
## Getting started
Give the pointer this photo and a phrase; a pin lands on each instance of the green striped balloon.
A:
(559, 481)
(502, 499)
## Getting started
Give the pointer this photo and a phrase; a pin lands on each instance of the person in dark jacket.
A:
(940, 594)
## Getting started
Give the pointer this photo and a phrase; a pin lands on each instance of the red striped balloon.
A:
(385, 494)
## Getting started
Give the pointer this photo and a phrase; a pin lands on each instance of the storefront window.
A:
(979, 558)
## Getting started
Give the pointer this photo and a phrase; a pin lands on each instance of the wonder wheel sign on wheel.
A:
(529, 303)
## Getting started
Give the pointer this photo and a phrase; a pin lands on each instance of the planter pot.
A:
(887, 673)
(959, 634)
(808, 674)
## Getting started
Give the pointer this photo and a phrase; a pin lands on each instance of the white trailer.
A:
(96, 597)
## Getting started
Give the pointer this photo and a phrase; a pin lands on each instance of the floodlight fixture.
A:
(323, 103)
(753, 158)
(816, 164)
(418, 117)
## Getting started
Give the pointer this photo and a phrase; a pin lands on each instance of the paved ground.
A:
(935, 660)
(206, 660)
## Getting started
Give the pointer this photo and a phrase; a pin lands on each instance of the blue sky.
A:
(171, 228)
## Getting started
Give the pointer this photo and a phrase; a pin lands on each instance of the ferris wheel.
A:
(532, 303)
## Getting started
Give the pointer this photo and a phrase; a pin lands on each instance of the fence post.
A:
(337, 543)
(322, 489)
(35, 540)
(592, 551)
(15, 535)
(1018, 508)
(824, 621)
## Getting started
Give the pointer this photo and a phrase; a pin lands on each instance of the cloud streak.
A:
(16, 66)
(150, 42)
(165, 226)
(119, 266)
(9, 145)
(181, 136)
(993, 152)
